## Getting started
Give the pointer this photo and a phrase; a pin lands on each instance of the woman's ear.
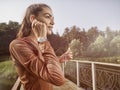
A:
(32, 17)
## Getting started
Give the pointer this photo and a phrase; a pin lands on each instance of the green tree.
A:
(71, 33)
(92, 34)
(3, 27)
(109, 35)
(97, 48)
(58, 43)
(75, 46)
(7, 34)
(115, 46)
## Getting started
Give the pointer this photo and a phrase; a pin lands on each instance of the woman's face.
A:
(46, 17)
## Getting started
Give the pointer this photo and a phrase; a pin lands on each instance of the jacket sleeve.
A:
(45, 66)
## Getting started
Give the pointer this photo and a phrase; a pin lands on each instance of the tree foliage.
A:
(97, 48)
(7, 34)
(84, 43)
(115, 46)
(75, 47)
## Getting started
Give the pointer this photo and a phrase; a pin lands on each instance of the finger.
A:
(44, 29)
(69, 52)
(38, 28)
(68, 48)
(33, 23)
(41, 27)
(70, 55)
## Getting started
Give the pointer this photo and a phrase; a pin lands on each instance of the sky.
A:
(82, 13)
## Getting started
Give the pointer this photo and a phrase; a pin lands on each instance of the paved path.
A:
(67, 86)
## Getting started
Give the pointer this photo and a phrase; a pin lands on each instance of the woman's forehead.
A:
(46, 10)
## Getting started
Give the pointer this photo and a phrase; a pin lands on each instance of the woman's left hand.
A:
(66, 56)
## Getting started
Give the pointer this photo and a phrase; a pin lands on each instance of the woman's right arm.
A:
(42, 65)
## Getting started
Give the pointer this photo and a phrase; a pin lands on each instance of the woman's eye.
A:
(47, 16)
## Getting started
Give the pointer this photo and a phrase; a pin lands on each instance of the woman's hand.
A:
(39, 29)
(66, 56)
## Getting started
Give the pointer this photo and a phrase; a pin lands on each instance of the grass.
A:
(8, 74)
(7, 69)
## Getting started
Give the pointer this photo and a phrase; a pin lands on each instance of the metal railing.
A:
(96, 75)
(17, 85)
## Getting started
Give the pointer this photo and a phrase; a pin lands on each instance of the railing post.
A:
(63, 66)
(16, 85)
(77, 66)
(93, 76)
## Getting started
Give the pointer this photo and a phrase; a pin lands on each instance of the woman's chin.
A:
(49, 32)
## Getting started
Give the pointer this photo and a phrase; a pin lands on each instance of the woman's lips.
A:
(50, 28)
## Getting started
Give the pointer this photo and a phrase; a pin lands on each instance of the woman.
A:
(36, 63)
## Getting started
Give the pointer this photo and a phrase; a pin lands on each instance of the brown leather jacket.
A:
(37, 71)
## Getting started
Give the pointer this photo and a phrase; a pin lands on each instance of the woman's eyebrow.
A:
(48, 14)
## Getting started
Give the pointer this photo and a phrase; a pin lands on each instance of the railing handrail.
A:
(92, 69)
(17, 83)
(103, 63)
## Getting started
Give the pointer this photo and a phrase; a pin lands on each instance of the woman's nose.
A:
(52, 21)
